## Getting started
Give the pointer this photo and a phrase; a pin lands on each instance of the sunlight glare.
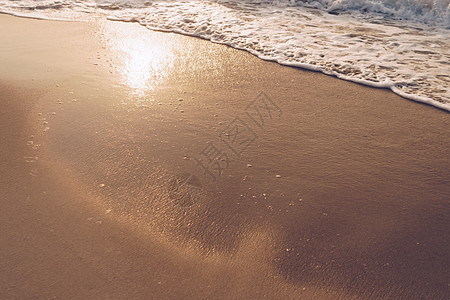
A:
(144, 59)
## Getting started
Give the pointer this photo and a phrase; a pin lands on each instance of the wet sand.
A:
(143, 165)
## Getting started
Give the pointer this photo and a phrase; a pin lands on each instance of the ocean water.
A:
(403, 45)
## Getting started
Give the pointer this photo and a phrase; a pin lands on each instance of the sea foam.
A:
(403, 45)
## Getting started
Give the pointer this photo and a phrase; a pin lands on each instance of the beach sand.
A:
(148, 165)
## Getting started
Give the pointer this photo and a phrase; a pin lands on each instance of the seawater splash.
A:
(403, 45)
(426, 11)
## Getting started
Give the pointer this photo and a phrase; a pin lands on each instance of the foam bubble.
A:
(402, 44)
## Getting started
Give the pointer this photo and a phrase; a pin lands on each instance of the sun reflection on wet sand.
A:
(144, 60)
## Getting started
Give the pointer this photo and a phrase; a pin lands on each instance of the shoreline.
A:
(379, 85)
(341, 193)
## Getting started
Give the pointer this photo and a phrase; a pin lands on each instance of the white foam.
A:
(410, 58)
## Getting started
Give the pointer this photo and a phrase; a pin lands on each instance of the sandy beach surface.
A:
(148, 165)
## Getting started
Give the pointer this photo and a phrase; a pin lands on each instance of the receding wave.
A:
(403, 45)
(427, 11)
